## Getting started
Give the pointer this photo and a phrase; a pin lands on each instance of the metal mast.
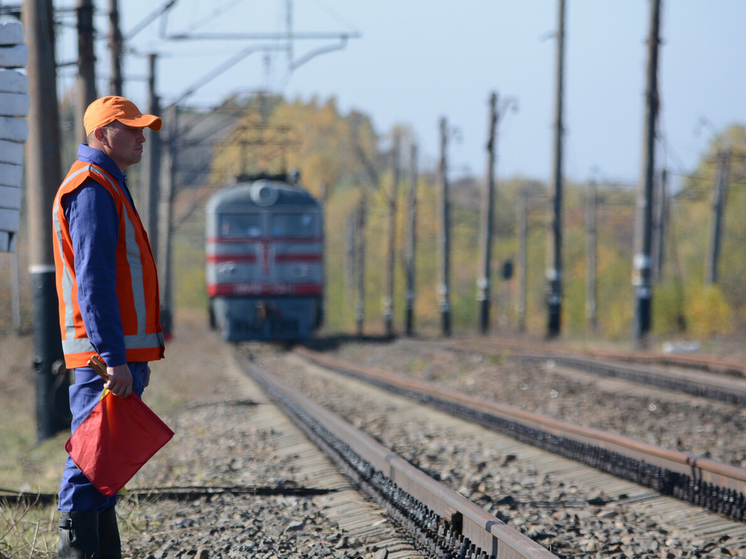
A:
(641, 279)
(554, 270)
(486, 222)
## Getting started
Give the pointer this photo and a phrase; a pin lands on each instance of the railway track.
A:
(575, 523)
(442, 523)
(724, 380)
(712, 485)
(712, 364)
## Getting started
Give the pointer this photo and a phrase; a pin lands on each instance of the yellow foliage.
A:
(339, 154)
(317, 140)
(708, 312)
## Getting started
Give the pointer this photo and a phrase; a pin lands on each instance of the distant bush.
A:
(708, 313)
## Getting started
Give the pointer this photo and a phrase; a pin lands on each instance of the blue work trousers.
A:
(76, 492)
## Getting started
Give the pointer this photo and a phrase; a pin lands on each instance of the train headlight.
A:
(263, 193)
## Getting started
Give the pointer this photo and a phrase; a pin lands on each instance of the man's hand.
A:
(120, 380)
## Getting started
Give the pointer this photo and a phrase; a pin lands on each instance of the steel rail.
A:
(444, 523)
(723, 389)
(713, 485)
(698, 362)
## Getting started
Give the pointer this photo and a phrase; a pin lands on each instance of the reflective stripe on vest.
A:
(144, 341)
(141, 345)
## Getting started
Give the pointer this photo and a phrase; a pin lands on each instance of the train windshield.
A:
(241, 225)
(296, 224)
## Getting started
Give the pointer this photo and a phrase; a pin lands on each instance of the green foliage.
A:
(710, 310)
(669, 316)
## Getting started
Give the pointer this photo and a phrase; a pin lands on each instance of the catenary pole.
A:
(350, 245)
(150, 192)
(591, 245)
(522, 259)
(661, 226)
(43, 177)
(165, 226)
(554, 270)
(656, 234)
(486, 223)
(324, 193)
(360, 303)
(86, 64)
(641, 279)
(444, 232)
(115, 50)
(411, 245)
(388, 300)
(719, 195)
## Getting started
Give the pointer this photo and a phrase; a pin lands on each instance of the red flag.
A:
(115, 440)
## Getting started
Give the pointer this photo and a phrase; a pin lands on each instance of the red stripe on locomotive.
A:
(285, 258)
(244, 240)
(263, 288)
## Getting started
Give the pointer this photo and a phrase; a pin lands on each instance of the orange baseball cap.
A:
(106, 110)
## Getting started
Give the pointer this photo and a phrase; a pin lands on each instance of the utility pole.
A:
(86, 64)
(444, 232)
(643, 225)
(43, 174)
(324, 196)
(554, 270)
(115, 50)
(350, 246)
(659, 226)
(411, 246)
(388, 301)
(150, 191)
(486, 221)
(166, 227)
(719, 195)
(522, 259)
(591, 244)
(360, 303)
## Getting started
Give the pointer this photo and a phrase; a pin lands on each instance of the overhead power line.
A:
(261, 36)
(149, 19)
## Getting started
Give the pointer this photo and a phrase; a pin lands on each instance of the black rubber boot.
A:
(109, 545)
(78, 535)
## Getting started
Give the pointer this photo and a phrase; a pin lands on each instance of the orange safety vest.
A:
(136, 277)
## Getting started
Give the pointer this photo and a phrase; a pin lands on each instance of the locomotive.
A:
(264, 260)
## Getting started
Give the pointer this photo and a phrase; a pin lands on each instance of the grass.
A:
(28, 531)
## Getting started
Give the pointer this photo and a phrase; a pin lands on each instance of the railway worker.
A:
(107, 286)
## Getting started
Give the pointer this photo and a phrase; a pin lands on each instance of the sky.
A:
(415, 61)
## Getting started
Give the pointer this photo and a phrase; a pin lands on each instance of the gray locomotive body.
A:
(264, 252)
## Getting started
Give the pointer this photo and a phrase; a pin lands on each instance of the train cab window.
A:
(300, 224)
(241, 225)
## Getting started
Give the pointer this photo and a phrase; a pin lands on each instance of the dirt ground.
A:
(23, 462)
(27, 465)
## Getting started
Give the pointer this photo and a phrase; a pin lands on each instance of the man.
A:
(107, 286)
